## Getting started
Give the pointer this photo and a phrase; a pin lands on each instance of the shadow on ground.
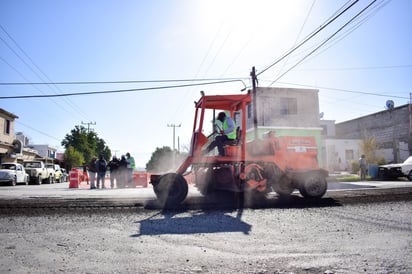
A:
(213, 214)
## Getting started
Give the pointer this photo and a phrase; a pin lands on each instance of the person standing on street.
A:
(362, 165)
(92, 172)
(122, 173)
(114, 168)
(101, 166)
(130, 167)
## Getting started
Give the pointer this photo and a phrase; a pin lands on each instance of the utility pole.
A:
(255, 120)
(88, 125)
(410, 123)
(174, 128)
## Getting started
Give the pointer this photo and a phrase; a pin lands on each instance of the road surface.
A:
(363, 230)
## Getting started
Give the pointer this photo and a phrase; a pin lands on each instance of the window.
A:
(288, 106)
(7, 126)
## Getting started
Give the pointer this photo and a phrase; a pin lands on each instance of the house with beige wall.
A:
(11, 149)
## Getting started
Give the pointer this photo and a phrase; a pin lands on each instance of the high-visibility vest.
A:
(130, 163)
(230, 135)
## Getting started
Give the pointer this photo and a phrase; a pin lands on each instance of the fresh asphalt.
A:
(63, 194)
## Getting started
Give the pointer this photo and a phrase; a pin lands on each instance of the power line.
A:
(120, 82)
(75, 107)
(325, 41)
(358, 68)
(300, 32)
(41, 132)
(119, 91)
(314, 33)
(335, 40)
(347, 90)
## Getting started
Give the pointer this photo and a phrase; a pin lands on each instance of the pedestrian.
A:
(362, 165)
(85, 174)
(131, 166)
(101, 166)
(227, 133)
(92, 172)
(113, 166)
(122, 172)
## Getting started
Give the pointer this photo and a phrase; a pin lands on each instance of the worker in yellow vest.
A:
(131, 166)
(227, 133)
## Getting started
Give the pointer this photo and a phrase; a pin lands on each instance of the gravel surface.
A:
(354, 238)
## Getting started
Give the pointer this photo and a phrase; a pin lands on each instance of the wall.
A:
(6, 116)
(391, 128)
(271, 107)
(44, 150)
(303, 120)
(336, 153)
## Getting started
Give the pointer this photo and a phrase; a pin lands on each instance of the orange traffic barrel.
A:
(74, 178)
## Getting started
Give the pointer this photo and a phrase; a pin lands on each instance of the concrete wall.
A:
(391, 128)
(6, 118)
(272, 109)
(340, 153)
(300, 118)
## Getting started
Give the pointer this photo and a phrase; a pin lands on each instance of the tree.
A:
(87, 143)
(369, 146)
(73, 158)
(103, 149)
(164, 159)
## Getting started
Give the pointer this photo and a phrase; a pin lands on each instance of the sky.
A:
(48, 47)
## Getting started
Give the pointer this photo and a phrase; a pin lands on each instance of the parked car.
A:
(56, 171)
(13, 173)
(38, 173)
(396, 170)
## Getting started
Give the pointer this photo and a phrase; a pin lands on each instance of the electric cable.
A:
(38, 131)
(308, 38)
(325, 41)
(299, 33)
(346, 90)
(338, 38)
(117, 91)
(357, 68)
(70, 103)
(121, 81)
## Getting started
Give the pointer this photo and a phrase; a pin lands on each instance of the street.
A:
(365, 231)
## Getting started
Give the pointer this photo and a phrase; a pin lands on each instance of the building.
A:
(287, 112)
(11, 148)
(45, 151)
(391, 128)
(338, 154)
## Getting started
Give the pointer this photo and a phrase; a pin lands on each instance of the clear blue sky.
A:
(366, 64)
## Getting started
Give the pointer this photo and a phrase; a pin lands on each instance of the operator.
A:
(228, 133)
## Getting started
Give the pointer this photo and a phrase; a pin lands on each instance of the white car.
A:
(13, 173)
(397, 170)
